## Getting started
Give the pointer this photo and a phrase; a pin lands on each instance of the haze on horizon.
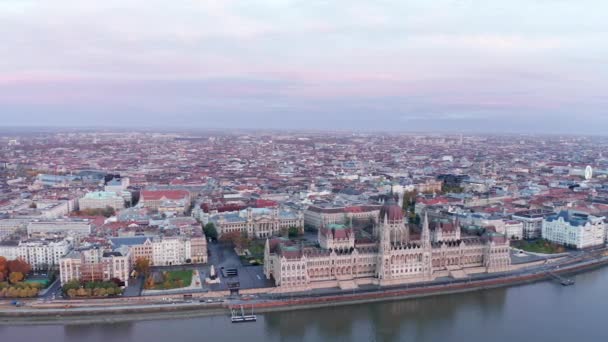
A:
(445, 65)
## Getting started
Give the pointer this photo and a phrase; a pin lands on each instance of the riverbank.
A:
(121, 313)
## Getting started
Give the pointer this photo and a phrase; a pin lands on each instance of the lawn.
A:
(185, 276)
(256, 250)
(171, 280)
(539, 246)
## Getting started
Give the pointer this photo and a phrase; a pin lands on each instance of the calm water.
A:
(539, 312)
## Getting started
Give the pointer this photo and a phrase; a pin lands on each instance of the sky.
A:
(534, 66)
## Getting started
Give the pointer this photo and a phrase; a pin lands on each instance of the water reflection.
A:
(120, 331)
(388, 320)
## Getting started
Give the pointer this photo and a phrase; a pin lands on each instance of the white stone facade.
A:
(575, 229)
(257, 222)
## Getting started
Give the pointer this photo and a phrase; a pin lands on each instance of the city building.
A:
(391, 256)
(532, 221)
(165, 251)
(43, 254)
(514, 229)
(95, 264)
(76, 227)
(175, 201)
(119, 186)
(575, 229)
(316, 216)
(257, 222)
(101, 200)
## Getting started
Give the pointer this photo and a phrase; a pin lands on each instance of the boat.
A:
(239, 316)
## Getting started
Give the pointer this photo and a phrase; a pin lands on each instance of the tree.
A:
(15, 277)
(230, 237)
(142, 266)
(149, 283)
(293, 232)
(242, 241)
(210, 231)
(3, 268)
(108, 211)
(18, 265)
(409, 200)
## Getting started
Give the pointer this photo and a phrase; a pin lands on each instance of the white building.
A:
(9, 249)
(101, 200)
(575, 229)
(258, 222)
(171, 251)
(79, 227)
(9, 226)
(94, 264)
(119, 186)
(40, 254)
(514, 229)
(54, 209)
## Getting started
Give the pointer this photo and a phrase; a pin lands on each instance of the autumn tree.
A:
(230, 237)
(15, 277)
(149, 284)
(142, 266)
(19, 265)
(3, 268)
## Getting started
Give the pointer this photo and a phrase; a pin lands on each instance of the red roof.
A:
(155, 195)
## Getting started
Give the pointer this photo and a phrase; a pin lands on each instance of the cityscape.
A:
(205, 221)
(287, 170)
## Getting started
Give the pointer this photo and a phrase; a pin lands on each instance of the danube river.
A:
(538, 312)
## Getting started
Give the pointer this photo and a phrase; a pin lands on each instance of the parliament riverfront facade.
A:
(392, 255)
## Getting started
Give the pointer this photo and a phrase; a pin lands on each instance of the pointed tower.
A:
(383, 266)
(385, 237)
(427, 251)
(426, 232)
(267, 261)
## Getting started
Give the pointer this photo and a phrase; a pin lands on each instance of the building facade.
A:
(95, 264)
(532, 221)
(257, 222)
(575, 229)
(165, 251)
(76, 227)
(177, 201)
(43, 254)
(514, 229)
(101, 200)
(316, 216)
(392, 256)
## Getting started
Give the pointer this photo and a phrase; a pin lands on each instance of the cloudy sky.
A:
(441, 65)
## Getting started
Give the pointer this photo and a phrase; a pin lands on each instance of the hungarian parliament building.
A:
(391, 254)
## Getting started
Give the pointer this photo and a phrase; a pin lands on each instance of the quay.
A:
(560, 279)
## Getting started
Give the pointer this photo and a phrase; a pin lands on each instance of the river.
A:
(537, 312)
